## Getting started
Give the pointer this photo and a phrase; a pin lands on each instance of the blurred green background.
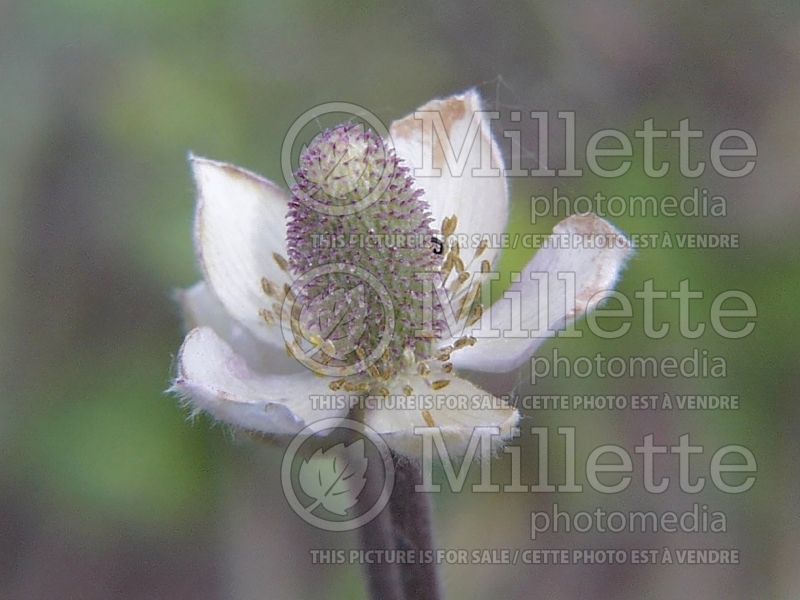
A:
(107, 491)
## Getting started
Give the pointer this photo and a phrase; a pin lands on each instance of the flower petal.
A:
(573, 248)
(213, 379)
(201, 308)
(457, 410)
(240, 235)
(475, 192)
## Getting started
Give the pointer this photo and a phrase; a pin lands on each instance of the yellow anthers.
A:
(423, 369)
(360, 353)
(382, 391)
(476, 291)
(448, 262)
(428, 417)
(447, 267)
(444, 354)
(408, 390)
(267, 316)
(269, 288)
(375, 372)
(297, 328)
(281, 262)
(468, 298)
(462, 278)
(486, 266)
(459, 265)
(468, 301)
(449, 225)
(463, 308)
(336, 384)
(477, 313)
(287, 291)
(360, 388)
(447, 367)
(465, 341)
(440, 384)
(481, 247)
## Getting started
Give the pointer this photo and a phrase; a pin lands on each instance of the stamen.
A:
(447, 267)
(458, 263)
(460, 280)
(269, 288)
(267, 316)
(282, 262)
(477, 313)
(468, 301)
(463, 342)
(444, 354)
(449, 225)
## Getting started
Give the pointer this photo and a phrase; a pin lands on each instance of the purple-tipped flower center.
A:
(354, 206)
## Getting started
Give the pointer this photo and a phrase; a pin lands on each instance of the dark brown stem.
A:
(383, 577)
(411, 516)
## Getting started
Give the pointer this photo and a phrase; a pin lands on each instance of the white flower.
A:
(234, 364)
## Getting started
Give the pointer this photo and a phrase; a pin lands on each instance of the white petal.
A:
(572, 249)
(457, 410)
(479, 200)
(240, 227)
(201, 308)
(213, 379)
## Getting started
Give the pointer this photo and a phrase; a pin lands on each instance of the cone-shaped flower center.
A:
(356, 219)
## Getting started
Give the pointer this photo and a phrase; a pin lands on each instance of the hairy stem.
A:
(411, 516)
(383, 577)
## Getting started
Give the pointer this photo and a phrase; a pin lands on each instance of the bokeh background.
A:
(107, 491)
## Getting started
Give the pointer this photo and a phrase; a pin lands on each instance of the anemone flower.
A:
(397, 307)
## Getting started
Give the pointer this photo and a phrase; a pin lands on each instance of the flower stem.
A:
(411, 516)
(383, 577)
